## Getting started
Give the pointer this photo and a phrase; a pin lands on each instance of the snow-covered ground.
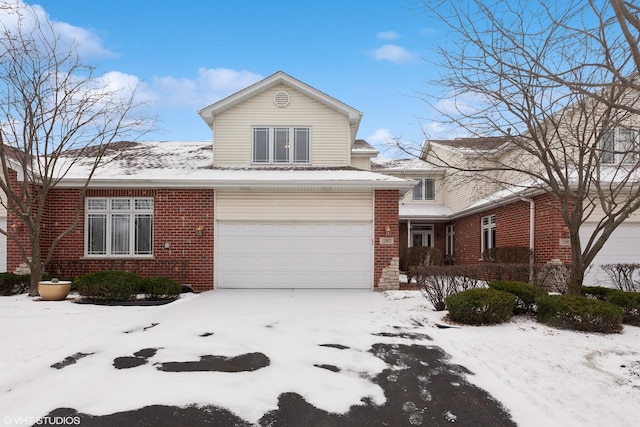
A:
(543, 376)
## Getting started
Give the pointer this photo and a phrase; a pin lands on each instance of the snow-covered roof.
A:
(424, 211)
(360, 146)
(396, 165)
(190, 164)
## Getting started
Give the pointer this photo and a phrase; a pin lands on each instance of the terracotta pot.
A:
(54, 291)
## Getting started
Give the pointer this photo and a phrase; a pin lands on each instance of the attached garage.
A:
(293, 239)
(294, 255)
(622, 247)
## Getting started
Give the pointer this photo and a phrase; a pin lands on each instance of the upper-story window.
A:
(425, 189)
(281, 144)
(119, 226)
(620, 146)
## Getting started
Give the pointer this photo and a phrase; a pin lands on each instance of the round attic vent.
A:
(281, 98)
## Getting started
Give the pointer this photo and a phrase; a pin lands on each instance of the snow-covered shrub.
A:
(525, 293)
(597, 292)
(481, 306)
(579, 313)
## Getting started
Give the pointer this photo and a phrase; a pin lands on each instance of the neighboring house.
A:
(282, 198)
(465, 217)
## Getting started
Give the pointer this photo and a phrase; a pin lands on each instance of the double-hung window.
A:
(425, 189)
(281, 145)
(488, 232)
(119, 226)
(620, 146)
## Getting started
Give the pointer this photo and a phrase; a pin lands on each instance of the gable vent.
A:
(281, 98)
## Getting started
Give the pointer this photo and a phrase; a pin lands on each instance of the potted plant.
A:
(54, 289)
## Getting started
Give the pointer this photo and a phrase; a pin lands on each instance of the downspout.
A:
(532, 232)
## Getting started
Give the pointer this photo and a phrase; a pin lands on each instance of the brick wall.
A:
(386, 214)
(180, 251)
(512, 229)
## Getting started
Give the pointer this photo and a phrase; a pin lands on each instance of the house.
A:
(281, 198)
(464, 216)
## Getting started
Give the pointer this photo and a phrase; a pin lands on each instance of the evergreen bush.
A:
(160, 288)
(525, 293)
(481, 306)
(579, 313)
(108, 286)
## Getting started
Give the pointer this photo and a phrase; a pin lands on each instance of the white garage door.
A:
(622, 247)
(294, 255)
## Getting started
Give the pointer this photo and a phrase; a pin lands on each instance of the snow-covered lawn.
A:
(543, 376)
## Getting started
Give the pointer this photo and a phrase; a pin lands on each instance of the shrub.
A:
(630, 304)
(481, 306)
(525, 293)
(597, 292)
(622, 276)
(553, 276)
(419, 255)
(160, 288)
(513, 255)
(108, 286)
(12, 284)
(440, 281)
(579, 313)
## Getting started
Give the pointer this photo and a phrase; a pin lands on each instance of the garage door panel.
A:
(621, 247)
(294, 255)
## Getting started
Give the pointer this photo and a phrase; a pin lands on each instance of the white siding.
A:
(330, 130)
(293, 206)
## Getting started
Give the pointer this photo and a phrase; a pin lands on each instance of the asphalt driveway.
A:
(243, 358)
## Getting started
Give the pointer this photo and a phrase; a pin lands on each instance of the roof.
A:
(474, 143)
(413, 164)
(426, 212)
(362, 146)
(190, 165)
(280, 78)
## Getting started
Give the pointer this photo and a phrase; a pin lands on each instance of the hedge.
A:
(525, 293)
(108, 286)
(160, 288)
(579, 313)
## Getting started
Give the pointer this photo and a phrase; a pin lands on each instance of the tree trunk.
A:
(37, 272)
(574, 287)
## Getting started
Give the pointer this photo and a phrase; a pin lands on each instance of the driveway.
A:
(227, 358)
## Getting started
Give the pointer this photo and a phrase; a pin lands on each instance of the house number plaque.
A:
(386, 241)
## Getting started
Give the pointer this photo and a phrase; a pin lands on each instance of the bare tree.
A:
(556, 81)
(50, 103)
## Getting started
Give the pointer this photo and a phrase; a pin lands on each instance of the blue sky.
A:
(187, 55)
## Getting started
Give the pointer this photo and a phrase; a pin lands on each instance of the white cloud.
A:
(88, 44)
(387, 35)
(394, 53)
(211, 85)
(380, 137)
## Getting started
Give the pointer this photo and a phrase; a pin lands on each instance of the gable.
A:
(331, 134)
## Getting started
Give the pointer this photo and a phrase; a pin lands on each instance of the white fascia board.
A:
(208, 113)
(240, 184)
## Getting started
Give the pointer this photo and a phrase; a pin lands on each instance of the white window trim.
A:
(271, 145)
(422, 182)
(619, 153)
(109, 212)
(487, 223)
(450, 240)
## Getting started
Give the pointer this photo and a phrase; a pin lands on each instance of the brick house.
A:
(282, 198)
(464, 217)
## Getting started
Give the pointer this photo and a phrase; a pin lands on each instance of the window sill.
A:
(118, 257)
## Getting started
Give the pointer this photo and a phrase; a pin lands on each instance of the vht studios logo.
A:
(8, 420)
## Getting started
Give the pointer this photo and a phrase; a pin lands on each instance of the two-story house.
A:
(282, 198)
(464, 215)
